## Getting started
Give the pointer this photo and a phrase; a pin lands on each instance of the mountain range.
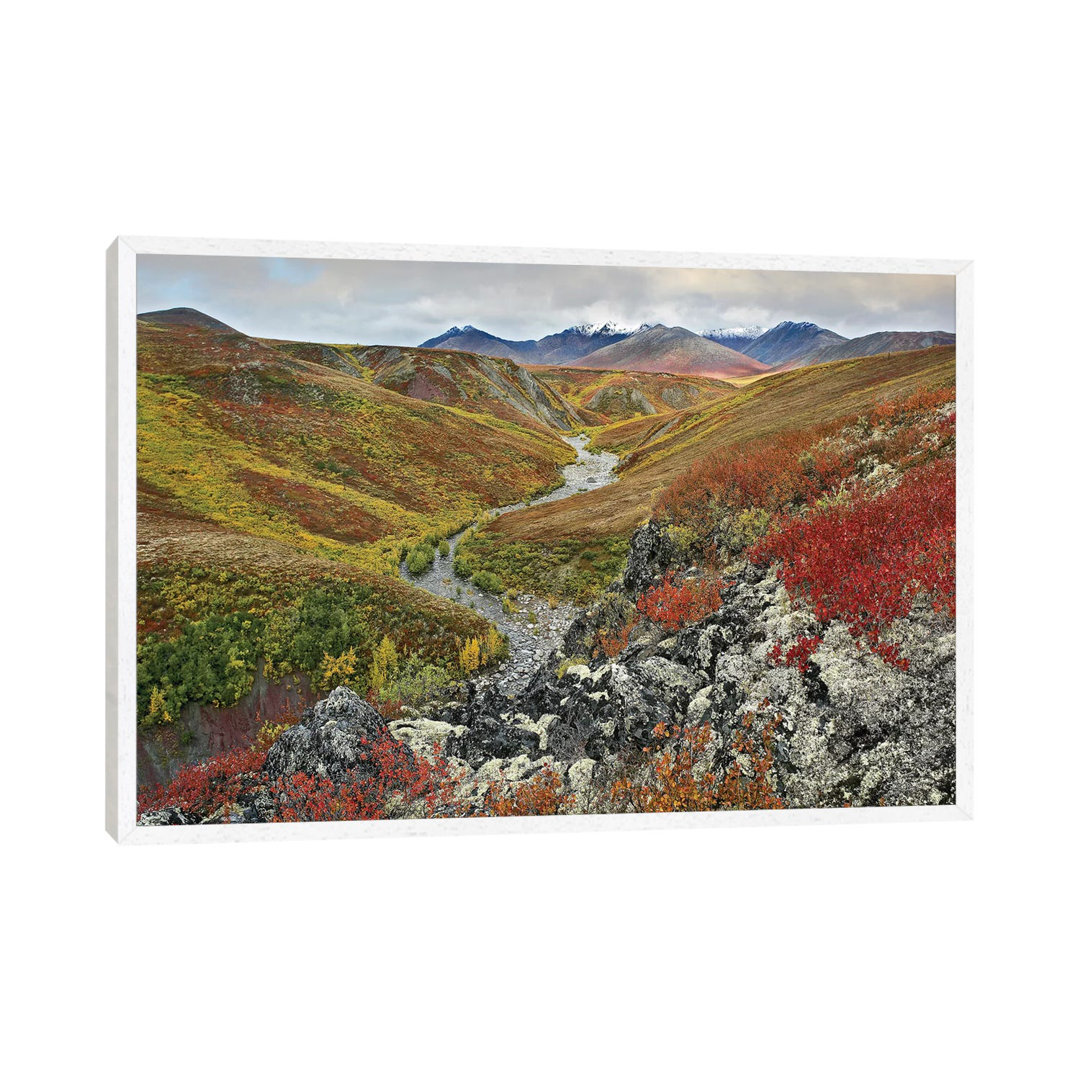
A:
(564, 348)
(736, 352)
(673, 349)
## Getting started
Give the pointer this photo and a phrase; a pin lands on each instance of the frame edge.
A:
(119, 535)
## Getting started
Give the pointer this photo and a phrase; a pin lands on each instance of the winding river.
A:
(535, 628)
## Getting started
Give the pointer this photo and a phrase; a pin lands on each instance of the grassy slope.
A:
(657, 449)
(665, 393)
(274, 491)
(485, 385)
(235, 432)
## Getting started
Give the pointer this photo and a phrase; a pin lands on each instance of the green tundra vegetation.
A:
(204, 631)
(569, 569)
(281, 486)
(277, 495)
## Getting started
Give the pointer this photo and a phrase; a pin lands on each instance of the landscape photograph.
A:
(447, 540)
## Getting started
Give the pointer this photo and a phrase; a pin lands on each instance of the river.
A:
(536, 628)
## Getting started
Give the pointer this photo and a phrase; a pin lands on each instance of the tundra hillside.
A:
(764, 598)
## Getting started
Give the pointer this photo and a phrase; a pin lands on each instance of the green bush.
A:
(420, 558)
(486, 581)
(203, 633)
(444, 548)
(418, 682)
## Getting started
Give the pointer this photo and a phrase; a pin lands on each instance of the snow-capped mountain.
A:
(565, 347)
(609, 327)
(792, 341)
(735, 337)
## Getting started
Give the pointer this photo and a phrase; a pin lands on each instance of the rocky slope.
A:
(470, 381)
(852, 730)
(848, 730)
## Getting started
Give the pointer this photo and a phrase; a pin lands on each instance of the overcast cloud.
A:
(404, 303)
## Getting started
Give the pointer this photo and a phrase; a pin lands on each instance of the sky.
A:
(380, 302)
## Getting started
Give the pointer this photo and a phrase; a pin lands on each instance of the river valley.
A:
(535, 628)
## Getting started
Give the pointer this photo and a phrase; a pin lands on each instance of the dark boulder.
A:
(333, 740)
(492, 737)
(652, 553)
(168, 815)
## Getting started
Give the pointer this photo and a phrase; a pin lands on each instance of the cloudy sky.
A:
(404, 303)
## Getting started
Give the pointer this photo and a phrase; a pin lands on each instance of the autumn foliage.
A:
(542, 794)
(396, 783)
(798, 655)
(393, 782)
(788, 470)
(677, 772)
(674, 603)
(612, 642)
(208, 786)
(867, 561)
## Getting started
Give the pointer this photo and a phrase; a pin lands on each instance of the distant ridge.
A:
(565, 347)
(676, 350)
(792, 341)
(470, 339)
(185, 316)
(885, 341)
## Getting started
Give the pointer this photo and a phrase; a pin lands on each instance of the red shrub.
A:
(203, 788)
(798, 655)
(671, 776)
(612, 642)
(767, 474)
(403, 785)
(672, 604)
(796, 468)
(865, 562)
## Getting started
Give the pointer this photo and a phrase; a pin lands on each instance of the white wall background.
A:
(922, 129)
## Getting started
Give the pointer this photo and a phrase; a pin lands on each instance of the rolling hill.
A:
(657, 449)
(489, 385)
(268, 443)
(602, 397)
(884, 341)
(672, 349)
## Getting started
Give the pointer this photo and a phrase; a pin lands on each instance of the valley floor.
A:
(780, 633)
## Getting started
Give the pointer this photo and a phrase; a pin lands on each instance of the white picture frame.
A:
(120, 711)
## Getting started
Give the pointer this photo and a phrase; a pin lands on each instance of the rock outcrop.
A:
(332, 740)
(848, 729)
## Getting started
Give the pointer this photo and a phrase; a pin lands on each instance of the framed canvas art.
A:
(409, 539)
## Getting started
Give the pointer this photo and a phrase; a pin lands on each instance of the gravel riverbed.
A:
(535, 628)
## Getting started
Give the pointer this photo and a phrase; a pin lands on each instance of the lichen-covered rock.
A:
(168, 815)
(653, 550)
(332, 740)
(421, 733)
(488, 736)
(848, 728)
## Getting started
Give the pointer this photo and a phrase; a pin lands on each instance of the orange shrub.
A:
(543, 794)
(673, 604)
(671, 777)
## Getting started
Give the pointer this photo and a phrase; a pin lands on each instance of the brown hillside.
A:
(655, 450)
(673, 349)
